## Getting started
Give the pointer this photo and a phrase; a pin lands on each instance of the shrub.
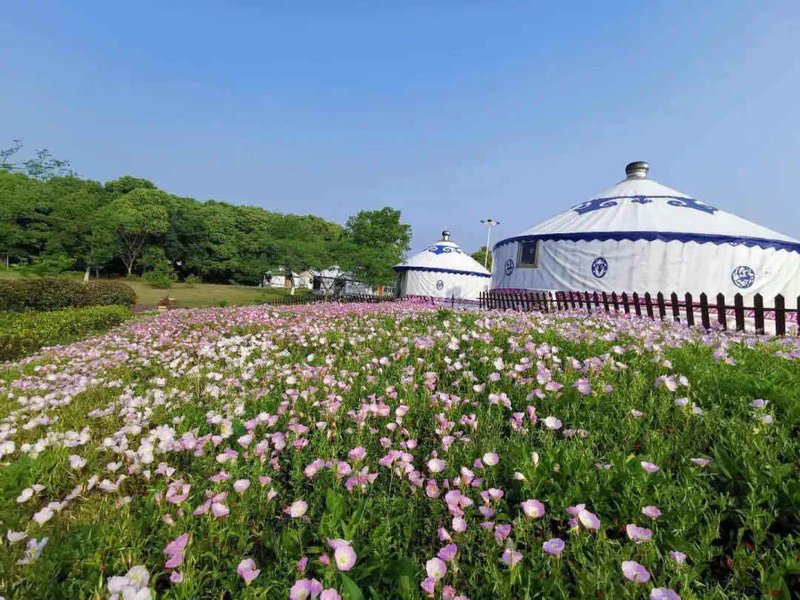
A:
(52, 293)
(192, 280)
(105, 293)
(25, 333)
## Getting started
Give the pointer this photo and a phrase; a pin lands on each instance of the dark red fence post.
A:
(722, 316)
(676, 309)
(625, 304)
(758, 306)
(738, 311)
(662, 311)
(648, 302)
(588, 302)
(704, 316)
(780, 315)
(637, 308)
(689, 309)
(615, 301)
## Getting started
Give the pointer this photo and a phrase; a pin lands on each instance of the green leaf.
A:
(351, 589)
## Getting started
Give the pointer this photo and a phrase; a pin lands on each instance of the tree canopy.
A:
(50, 216)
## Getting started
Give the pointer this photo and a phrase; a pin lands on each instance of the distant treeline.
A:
(51, 219)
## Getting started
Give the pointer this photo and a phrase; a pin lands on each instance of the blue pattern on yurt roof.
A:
(437, 270)
(680, 201)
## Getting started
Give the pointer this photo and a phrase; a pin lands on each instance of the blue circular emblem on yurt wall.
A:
(509, 267)
(599, 267)
(743, 276)
(440, 285)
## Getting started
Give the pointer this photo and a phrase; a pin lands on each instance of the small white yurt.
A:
(641, 236)
(443, 270)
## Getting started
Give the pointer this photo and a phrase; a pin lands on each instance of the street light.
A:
(489, 224)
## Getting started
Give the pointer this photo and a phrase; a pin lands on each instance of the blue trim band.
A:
(653, 236)
(435, 270)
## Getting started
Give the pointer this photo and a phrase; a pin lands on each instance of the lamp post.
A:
(489, 223)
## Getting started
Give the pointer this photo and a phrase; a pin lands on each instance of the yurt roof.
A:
(639, 208)
(445, 256)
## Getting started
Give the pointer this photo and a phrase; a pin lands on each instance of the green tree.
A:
(374, 242)
(42, 166)
(480, 255)
(137, 218)
(126, 184)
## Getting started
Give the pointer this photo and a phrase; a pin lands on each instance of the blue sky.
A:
(449, 111)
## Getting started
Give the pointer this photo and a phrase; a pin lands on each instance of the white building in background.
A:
(443, 270)
(641, 236)
(305, 280)
(333, 281)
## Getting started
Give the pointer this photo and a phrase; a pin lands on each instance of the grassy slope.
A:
(203, 294)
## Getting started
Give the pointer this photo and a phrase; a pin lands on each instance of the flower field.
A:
(395, 451)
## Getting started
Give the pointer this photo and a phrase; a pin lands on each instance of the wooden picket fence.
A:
(654, 307)
(357, 298)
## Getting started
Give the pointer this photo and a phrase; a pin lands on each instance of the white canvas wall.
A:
(434, 284)
(651, 266)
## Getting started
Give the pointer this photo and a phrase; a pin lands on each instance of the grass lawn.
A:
(199, 295)
(206, 294)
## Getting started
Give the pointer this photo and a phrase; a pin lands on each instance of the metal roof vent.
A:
(445, 236)
(637, 170)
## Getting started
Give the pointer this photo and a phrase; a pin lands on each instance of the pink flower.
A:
(552, 423)
(533, 509)
(357, 453)
(501, 532)
(663, 594)
(436, 465)
(436, 568)
(176, 550)
(176, 577)
(219, 510)
(588, 519)
(247, 570)
(638, 534)
(554, 546)
(241, 485)
(428, 585)
(511, 557)
(459, 524)
(651, 511)
(700, 462)
(650, 467)
(296, 509)
(635, 572)
(491, 459)
(301, 564)
(582, 385)
(678, 557)
(330, 594)
(304, 589)
(345, 557)
(448, 552)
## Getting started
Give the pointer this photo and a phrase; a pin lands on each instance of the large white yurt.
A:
(443, 270)
(641, 236)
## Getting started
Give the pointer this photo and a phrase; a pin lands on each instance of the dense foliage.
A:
(23, 334)
(53, 293)
(52, 219)
(384, 451)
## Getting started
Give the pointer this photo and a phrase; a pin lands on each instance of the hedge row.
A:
(52, 293)
(25, 333)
